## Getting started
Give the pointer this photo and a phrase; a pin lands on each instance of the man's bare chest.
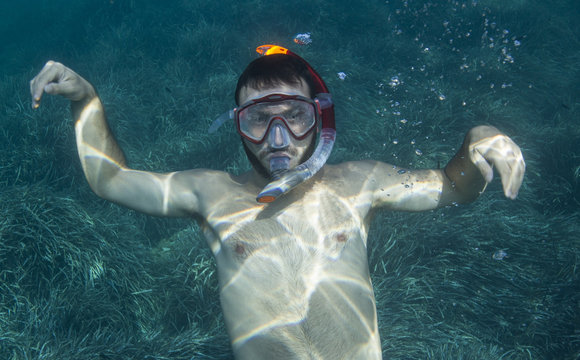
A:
(323, 224)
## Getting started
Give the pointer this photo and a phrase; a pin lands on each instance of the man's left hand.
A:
(488, 148)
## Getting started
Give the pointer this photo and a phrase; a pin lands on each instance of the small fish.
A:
(303, 39)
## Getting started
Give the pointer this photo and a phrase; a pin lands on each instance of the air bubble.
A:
(394, 81)
(499, 255)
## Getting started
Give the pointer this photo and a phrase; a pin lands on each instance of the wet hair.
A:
(272, 70)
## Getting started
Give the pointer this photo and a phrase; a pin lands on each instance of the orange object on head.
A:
(271, 49)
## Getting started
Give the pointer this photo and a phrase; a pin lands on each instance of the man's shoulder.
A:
(214, 189)
(207, 179)
(364, 175)
(194, 174)
(359, 167)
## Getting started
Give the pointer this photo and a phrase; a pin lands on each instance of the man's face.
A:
(276, 143)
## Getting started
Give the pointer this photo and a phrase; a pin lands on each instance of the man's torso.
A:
(293, 274)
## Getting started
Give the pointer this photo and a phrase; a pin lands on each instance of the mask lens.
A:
(300, 117)
(255, 119)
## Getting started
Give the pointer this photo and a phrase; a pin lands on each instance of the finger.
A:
(36, 92)
(59, 88)
(36, 96)
(482, 165)
(513, 184)
(50, 72)
(505, 172)
(53, 88)
(511, 169)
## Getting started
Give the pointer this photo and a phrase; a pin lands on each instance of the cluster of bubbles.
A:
(465, 33)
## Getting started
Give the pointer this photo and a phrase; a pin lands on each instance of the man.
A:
(292, 266)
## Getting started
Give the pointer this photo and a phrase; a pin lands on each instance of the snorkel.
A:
(285, 179)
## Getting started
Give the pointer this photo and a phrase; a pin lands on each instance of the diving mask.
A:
(254, 118)
(299, 114)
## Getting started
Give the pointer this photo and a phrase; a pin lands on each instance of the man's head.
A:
(277, 74)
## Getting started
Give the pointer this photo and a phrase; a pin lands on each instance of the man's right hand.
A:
(57, 79)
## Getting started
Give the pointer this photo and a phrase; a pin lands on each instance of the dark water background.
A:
(84, 279)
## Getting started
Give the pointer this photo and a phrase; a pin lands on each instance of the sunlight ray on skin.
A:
(235, 220)
(300, 302)
(297, 301)
(85, 150)
(275, 323)
(90, 152)
(166, 190)
(304, 299)
(340, 312)
(368, 325)
(248, 262)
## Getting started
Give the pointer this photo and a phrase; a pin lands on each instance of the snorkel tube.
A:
(285, 181)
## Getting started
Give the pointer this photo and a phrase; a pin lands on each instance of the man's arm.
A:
(101, 157)
(461, 181)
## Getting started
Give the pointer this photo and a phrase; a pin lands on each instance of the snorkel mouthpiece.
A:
(302, 172)
(278, 166)
(284, 179)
